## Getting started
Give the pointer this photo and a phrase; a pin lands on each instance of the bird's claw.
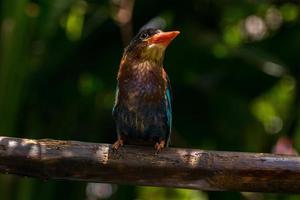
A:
(117, 144)
(159, 146)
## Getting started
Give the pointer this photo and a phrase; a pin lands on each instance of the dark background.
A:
(234, 71)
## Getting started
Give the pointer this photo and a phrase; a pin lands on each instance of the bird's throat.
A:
(154, 53)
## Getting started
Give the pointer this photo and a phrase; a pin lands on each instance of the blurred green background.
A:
(234, 71)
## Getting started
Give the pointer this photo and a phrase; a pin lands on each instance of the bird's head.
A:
(150, 44)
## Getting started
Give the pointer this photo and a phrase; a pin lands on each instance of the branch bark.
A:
(174, 167)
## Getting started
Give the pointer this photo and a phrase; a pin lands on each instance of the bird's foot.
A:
(117, 144)
(159, 146)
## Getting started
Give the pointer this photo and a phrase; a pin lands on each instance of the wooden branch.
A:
(174, 167)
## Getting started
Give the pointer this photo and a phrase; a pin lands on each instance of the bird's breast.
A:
(141, 83)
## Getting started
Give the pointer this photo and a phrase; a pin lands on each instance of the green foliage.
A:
(147, 193)
(234, 72)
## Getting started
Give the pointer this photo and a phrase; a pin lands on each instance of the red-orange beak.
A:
(163, 38)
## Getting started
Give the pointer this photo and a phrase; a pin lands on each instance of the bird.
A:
(143, 102)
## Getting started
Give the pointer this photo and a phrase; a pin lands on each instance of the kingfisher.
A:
(143, 101)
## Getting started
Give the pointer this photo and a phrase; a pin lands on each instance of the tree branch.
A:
(174, 167)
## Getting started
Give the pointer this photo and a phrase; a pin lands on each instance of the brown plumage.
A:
(142, 110)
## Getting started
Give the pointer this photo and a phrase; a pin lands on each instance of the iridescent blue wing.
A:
(116, 101)
(169, 104)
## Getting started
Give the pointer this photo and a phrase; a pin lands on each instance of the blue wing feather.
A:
(116, 100)
(169, 102)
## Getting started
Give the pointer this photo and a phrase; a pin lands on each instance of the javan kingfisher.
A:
(143, 102)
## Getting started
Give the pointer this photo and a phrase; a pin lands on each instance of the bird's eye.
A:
(143, 36)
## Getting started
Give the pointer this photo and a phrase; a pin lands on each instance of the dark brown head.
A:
(150, 44)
